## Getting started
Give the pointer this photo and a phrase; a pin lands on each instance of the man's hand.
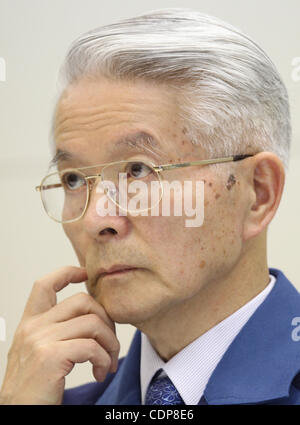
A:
(52, 337)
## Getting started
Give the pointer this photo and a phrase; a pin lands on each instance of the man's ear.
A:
(266, 179)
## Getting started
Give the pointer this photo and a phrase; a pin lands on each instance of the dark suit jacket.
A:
(261, 365)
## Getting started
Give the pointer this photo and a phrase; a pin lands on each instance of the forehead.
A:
(98, 114)
(103, 95)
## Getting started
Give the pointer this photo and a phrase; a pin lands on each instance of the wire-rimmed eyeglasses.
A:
(65, 194)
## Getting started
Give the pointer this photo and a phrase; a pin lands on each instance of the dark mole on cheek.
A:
(184, 130)
(230, 182)
(217, 195)
(210, 184)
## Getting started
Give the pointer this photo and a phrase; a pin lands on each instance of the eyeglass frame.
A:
(156, 168)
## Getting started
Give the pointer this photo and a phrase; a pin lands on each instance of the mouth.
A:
(117, 270)
(117, 273)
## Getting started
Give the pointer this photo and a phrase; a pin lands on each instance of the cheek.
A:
(178, 250)
(222, 227)
(172, 238)
(223, 205)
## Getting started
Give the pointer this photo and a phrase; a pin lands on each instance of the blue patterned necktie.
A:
(162, 391)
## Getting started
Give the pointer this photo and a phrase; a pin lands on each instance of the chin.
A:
(130, 309)
(131, 301)
(130, 312)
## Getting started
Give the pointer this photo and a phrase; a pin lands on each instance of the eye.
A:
(72, 181)
(138, 170)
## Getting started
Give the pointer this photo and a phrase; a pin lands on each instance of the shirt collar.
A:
(191, 368)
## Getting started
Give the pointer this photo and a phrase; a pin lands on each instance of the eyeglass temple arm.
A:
(202, 162)
(48, 186)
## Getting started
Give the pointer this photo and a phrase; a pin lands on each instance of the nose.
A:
(102, 219)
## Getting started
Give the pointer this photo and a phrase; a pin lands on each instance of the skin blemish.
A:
(184, 130)
(202, 264)
(230, 182)
(217, 195)
(210, 184)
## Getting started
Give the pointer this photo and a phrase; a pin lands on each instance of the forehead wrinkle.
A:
(70, 133)
(68, 123)
(140, 140)
(90, 112)
(89, 115)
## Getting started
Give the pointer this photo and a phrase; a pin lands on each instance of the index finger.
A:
(43, 293)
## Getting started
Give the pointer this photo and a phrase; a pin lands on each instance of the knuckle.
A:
(95, 320)
(101, 357)
(106, 361)
(83, 302)
(37, 284)
(40, 285)
(116, 346)
(82, 298)
(92, 346)
(42, 352)
(66, 270)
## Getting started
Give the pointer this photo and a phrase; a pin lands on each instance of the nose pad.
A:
(92, 183)
(108, 190)
(111, 192)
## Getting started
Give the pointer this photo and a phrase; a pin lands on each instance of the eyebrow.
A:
(139, 141)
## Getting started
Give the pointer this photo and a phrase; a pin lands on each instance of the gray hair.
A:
(232, 98)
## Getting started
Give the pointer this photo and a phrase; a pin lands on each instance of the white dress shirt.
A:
(191, 368)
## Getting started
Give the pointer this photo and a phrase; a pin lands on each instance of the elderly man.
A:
(173, 95)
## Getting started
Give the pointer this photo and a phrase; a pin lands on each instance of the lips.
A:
(115, 269)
